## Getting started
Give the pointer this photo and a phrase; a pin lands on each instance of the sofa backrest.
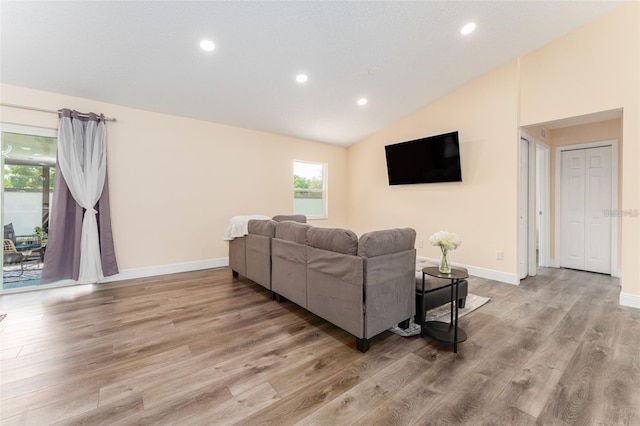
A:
(292, 231)
(258, 251)
(389, 260)
(266, 228)
(335, 278)
(333, 239)
(292, 217)
(378, 243)
(289, 261)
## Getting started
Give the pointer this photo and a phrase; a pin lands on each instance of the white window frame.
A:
(324, 191)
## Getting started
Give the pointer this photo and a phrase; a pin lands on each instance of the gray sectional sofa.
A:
(364, 286)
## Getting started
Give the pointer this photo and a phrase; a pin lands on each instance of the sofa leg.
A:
(234, 274)
(279, 298)
(273, 295)
(461, 302)
(404, 324)
(362, 345)
(419, 311)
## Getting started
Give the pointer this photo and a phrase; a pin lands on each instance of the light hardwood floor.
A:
(203, 348)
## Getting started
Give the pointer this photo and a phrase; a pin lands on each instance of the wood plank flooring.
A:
(203, 348)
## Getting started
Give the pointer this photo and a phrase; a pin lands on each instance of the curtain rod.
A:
(42, 110)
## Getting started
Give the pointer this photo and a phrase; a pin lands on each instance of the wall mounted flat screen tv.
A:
(427, 160)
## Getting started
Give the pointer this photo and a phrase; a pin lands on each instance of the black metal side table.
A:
(442, 331)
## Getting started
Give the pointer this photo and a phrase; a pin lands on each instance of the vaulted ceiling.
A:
(398, 55)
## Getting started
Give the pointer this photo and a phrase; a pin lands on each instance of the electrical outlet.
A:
(499, 255)
(420, 244)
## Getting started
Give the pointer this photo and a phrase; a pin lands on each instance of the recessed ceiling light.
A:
(468, 29)
(26, 148)
(302, 78)
(207, 45)
(362, 101)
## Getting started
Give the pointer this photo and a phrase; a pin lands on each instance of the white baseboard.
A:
(153, 271)
(490, 274)
(631, 300)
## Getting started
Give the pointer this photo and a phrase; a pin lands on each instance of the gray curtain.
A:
(62, 255)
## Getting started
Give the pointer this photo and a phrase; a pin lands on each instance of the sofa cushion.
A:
(293, 217)
(378, 243)
(292, 231)
(262, 227)
(333, 239)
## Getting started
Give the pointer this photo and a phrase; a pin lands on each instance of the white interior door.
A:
(542, 203)
(597, 255)
(585, 196)
(573, 206)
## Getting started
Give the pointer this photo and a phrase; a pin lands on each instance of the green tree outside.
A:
(26, 177)
(313, 184)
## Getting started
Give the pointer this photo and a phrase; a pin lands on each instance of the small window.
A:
(310, 189)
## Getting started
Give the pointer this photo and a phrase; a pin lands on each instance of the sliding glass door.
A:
(28, 171)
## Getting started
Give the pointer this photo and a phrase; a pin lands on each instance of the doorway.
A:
(533, 206)
(28, 172)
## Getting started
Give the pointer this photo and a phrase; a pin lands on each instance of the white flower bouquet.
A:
(446, 241)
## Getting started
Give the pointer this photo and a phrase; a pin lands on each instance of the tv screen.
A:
(427, 160)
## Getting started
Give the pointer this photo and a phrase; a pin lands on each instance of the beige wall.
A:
(175, 182)
(586, 133)
(536, 132)
(595, 68)
(482, 209)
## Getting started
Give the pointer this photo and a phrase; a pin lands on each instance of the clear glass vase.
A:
(444, 266)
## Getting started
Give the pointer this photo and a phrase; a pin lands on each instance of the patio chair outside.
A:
(12, 256)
